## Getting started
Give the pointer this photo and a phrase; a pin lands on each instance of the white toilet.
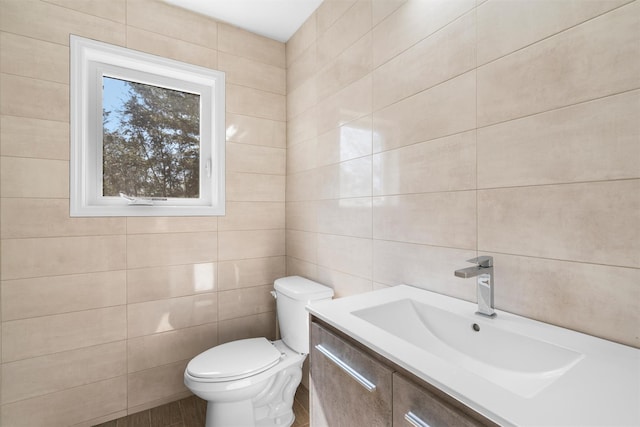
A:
(252, 382)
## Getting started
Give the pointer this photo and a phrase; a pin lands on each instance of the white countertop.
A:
(602, 389)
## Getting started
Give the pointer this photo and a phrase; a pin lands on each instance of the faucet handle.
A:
(483, 261)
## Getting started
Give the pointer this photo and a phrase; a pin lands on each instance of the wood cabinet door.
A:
(418, 407)
(348, 388)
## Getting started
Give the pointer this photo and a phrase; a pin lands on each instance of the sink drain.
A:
(475, 327)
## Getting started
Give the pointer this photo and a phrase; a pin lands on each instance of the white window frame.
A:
(90, 61)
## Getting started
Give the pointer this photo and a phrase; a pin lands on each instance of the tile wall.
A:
(100, 315)
(423, 133)
(418, 134)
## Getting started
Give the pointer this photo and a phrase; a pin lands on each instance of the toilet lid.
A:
(234, 360)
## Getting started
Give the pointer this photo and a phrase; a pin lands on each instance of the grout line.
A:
(477, 215)
(575, 104)
(564, 30)
(439, 29)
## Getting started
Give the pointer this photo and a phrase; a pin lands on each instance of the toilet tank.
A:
(292, 295)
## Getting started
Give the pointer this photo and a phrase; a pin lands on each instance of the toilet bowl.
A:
(252, 382)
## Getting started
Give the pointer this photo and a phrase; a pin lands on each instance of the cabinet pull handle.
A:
(348, 369)
(414, 420)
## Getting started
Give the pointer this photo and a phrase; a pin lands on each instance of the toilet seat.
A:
(234, 360)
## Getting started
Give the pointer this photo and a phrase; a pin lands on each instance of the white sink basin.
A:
(514, 371)
(520, 364)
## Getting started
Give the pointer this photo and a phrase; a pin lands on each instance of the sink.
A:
(521, 364)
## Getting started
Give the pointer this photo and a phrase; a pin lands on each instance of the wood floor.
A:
(190, 412)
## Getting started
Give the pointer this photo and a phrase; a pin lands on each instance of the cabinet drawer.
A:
(347, 387)
(416, 406)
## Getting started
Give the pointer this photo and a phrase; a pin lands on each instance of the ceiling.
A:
(276, 19)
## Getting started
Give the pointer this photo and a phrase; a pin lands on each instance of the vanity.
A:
(404, 356)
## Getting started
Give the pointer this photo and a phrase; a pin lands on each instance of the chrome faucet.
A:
(483, 270)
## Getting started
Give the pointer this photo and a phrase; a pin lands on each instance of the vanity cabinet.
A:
(351, 386)
(417, 406)
(348, 387)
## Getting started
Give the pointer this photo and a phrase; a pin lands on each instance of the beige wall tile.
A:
(253, 216)
(587, 222)
(412, 22)
(441, 56)
(594, 299)
(348, 255)
(24, 218)
(173, 22)
(348, 28)
(22, 258)
(253, 102)
(153, 317)
(155, 383)
(302, 156)
(155, 350)
(255, 74)
(170, 47)
(258, 325)
(505, 26)
(343, 285)
(303, 68)
(347, 179)
(113, 10)
(39, 99)
(351, 65)
(24, 177)
(346, 217)
(246, 302)
(25, 137)
(443, 164)
(446, 109)
(44, 296)
(351, 103)
(329, 11)
(380, 9)
(253, 187)
(250, 272)
(155, 283)
(301, 40)
(70, 406)
(149, 250)
(562, 70)
(596, 140)
(255, 159)
(302, 245)
(438, 219)
(302, 186)
(298, 267)
(248, 45)
(50, 334)
(301, 215)
(172, 224)
(427, 267)
(302, 127)
(52, 23)
(302, 98)
(256, 131)
(38, 376)
(250, 244)
(346, 142)
(28, 57)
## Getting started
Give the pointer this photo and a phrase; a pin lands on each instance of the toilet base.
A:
(230, 414)
(272, 407)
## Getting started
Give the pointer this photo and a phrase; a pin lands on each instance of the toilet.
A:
(251, 382)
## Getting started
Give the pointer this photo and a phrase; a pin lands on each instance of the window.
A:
(147, 134)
